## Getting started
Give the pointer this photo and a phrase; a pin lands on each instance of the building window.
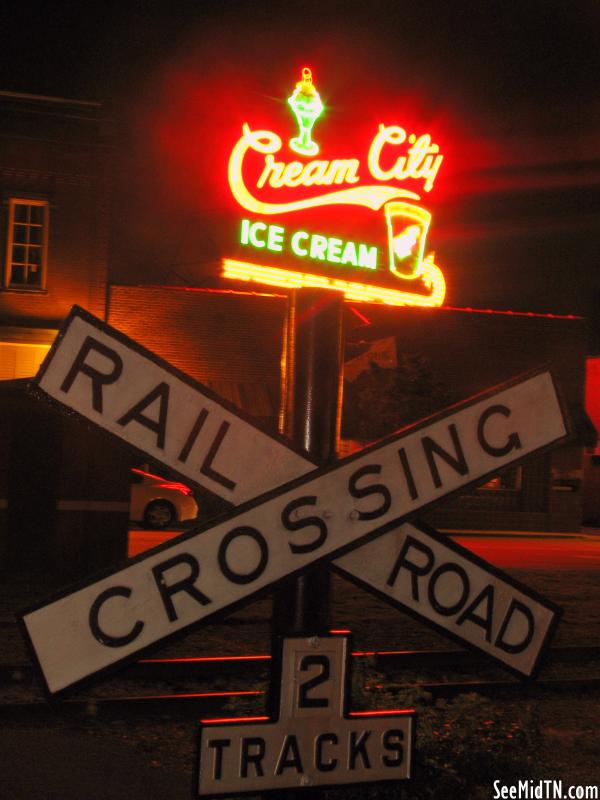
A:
(27, 244)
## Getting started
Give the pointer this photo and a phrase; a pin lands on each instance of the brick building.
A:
(54, 221)
(232, 342)
(56, 508)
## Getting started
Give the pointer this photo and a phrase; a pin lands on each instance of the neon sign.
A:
(307, 106)
(266, 183)
(307, 245)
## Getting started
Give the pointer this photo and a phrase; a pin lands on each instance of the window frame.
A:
(9, 284)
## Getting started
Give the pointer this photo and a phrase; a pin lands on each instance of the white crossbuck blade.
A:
(325, 514)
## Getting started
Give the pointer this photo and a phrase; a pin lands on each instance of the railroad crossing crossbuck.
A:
(317, 514)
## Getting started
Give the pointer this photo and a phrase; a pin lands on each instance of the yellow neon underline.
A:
(354, 291)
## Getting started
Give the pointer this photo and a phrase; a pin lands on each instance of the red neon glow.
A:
(393, 157)
(295, 173)
(592, 390)
(421, 162)
(190, 149)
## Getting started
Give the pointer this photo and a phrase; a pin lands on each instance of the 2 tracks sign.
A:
(314, 740)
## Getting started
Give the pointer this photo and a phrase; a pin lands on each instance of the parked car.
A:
(159, 503)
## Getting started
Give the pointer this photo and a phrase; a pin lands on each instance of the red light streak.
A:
(177, 487)
(509, 313)
(360, 316)
(197, 695)
(396, 712)
(202, 659)
(369, 653)
(204, 290)
(235, 720)
(146, 474)
(382, 713)
(466, 309)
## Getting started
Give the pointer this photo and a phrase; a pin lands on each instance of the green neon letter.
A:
(254, 240)
(349, 254)
(296, 246)
(367, 256)
(334, 249)
(275, 238)
(318, 246)
(244, 234)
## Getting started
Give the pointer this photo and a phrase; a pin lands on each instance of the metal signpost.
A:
(314, 357)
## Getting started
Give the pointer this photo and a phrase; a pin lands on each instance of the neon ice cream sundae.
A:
(307, 107)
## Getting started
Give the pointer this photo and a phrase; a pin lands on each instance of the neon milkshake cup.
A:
(307, 107)
(407, 227)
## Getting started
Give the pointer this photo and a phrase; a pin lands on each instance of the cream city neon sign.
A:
(407, 224)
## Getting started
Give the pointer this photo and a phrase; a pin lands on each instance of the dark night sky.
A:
(513, 85)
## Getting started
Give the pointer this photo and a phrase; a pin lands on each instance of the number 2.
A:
(304, 701)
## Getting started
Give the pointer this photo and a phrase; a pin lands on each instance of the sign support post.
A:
(311, 415)
(311, 407)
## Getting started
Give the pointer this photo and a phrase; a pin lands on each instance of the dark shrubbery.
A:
(462, 745)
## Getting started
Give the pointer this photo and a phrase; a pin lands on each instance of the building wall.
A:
(56, 511)
(60, 152)
(64, 490)
(232, 343)
(469, 352)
